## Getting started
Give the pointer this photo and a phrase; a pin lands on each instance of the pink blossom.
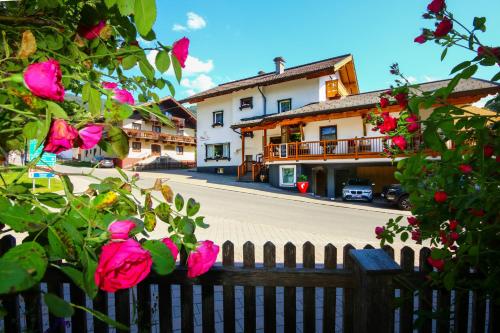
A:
(202, 259)
(379, 231)
(443, 28)
(399, 141)
(389, 124)
(440, 196)
(436, 6)
(453, 224)
(91, 32)
(465, 168)
(61, 137)
(420, 39)
(122, 265)
(412, 220)
(123, 96)
(109, 85)
(90, 135)
(43, 79)
(171, 246)
(436, 263)
(121, 229)
(416, 235)
(180, 50)
(412, 123)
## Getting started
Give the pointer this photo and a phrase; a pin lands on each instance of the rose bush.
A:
(452, 176)
(71, 72)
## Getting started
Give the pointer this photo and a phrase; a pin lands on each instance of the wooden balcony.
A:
(164, 137)
(356, 148)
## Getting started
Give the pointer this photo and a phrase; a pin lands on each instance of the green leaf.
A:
(192, 207)
(479, 23)
(149, 221)
(200, 222)
(59, 242)
(23, 218)
(122, 173)
(13, 277)
(94, 102)
(102, 317)
(31, 257)
(30, 130)
(179, 202)
(163, 261)
(89, 267)
(56, 110)
(443, 54)
(144, 15)
(162, 61)
(496, 77)
(449, 280)
(110, 3)
(163, 212)
(171, 88)
(129, 62)
(126, 7)
(404, 236)
(177, 69)
(68, 185)
(186, 226)
(58, 306)
(74, 274)
(147, 70)
(53, 200)
(432, 139)
(118, 141)
(460, 66)
(468, 72)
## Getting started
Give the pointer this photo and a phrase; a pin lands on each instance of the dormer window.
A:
(284, 105)
(218, 119)
(246, 102)
(332, 89)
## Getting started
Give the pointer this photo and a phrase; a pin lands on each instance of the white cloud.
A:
(194, 65)
(429, 78)
(482, 102)
(200, 83)
(194, 22)
(179, 27)
(411, 79)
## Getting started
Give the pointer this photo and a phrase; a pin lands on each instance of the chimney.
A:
(280, 65)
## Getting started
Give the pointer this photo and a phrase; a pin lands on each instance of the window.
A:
(136, 146)
(179, 150)
(284, 105)
(287, 175)
(246, 103)
(332, 89)
(136, 126)
(328, 133)
(218, 151)
(218, 118)
(156, 128)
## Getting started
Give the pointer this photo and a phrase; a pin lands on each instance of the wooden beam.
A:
(342, 63)
(342, 89)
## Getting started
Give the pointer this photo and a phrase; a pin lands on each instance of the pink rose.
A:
(122, 265)
(440, 196)
(436, 263)
(412, 220)
(121, 229)
(389, 124)
(180, 50)
(488, 150)
(416, 235)
(109, 85)
(61, 137)
(384, 102)
(465, 168)
(123, 96)
(201, 259)
(379, 231)
(402, 99)
(43, 79)
(443, 28)
(436, 6)
(420, 39)
(399, 141)
(412, 123)
(91, 32)
(453, 224)
(90, 135)
(171, 246)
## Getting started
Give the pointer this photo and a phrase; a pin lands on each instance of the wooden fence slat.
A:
(79, 318)
(348, 310)
(329, 294)
(390, 251)
(494, 317)
(269, 292)
(478, 312)
(122, 307)
(56, 324)
(443, 311)
(309, 309)
(100, 303)
(33, 303)
(187, 313)
(165, 307)
(290, 299)
(425, 294)
(249, 292)
(208, 311)
(228, 291)
(144, 307)
(10, 302)
(461, 314)
(406, 292)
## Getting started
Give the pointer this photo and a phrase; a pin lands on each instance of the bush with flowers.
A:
(453, 179)
(65, 83)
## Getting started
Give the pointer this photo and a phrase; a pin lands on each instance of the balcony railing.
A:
(370, 147)
(159, 136)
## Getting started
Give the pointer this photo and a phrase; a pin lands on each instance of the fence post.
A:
(374, 271)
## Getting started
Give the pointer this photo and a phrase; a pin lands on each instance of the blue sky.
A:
(235, 39)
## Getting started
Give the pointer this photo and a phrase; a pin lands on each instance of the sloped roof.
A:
(289, 74)
(369, 100)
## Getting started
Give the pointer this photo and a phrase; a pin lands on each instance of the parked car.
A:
(395, 194)
(106, 163)
(358, 189)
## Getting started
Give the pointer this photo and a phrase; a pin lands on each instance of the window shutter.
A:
(225, 150)
(332, 89)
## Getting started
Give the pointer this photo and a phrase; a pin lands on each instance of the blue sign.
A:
(41, 174)
(47, 159)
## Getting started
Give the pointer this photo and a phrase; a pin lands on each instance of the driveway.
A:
(259, 213)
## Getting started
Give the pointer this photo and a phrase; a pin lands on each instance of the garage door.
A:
(380, 175)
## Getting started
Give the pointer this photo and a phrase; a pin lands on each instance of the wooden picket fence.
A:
(368, 280)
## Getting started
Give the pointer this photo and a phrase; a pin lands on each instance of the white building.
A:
(307, 119)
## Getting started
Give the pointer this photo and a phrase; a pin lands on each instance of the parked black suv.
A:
(396, 194)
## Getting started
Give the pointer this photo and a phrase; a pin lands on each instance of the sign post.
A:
(46, 160)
